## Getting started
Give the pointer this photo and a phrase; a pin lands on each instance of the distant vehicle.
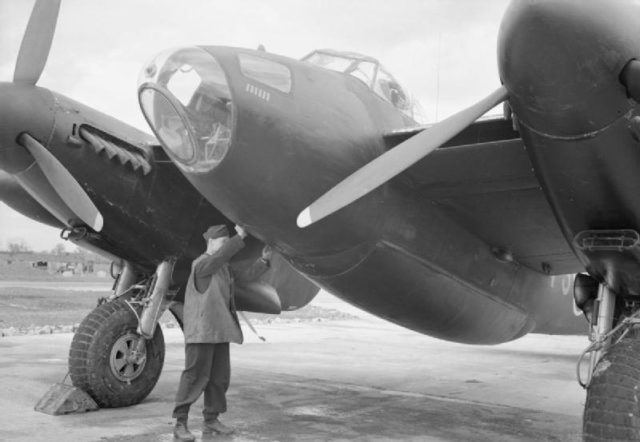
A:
(68, 267)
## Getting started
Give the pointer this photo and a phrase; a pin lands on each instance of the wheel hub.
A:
(125, 361)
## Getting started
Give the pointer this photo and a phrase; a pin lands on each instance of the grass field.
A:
(25, 272)
(34, 310)
(26, 307)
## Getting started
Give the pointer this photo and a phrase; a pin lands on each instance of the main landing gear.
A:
(612, 408)
(117, 353)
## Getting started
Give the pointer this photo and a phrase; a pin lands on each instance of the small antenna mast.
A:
(438, 74)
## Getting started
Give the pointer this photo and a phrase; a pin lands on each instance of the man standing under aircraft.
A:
(210, 324)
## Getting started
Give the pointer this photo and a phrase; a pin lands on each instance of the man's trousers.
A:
(207, 369)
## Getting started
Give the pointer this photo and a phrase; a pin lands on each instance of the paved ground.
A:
(356, 380)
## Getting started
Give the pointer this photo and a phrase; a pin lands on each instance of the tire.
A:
(612, 409)
(97, 357)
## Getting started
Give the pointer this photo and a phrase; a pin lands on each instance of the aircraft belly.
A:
(424, 298)
(430, 274)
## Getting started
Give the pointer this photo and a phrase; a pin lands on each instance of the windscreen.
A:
(370, 72)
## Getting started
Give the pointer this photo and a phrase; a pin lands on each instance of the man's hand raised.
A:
(241, 232)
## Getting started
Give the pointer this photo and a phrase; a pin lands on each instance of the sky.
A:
(442, 51)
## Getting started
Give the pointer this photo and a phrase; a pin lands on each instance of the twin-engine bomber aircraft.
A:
(322, 159)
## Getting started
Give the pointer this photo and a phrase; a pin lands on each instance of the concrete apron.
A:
(350, 380)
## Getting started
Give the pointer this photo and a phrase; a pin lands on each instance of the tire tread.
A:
(90, 350)
(612, 409)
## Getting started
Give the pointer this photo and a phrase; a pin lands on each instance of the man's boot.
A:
(215, 426)
(182, 433)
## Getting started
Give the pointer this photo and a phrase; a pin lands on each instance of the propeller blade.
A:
(64, 183)
(396, 160)
(36, 42)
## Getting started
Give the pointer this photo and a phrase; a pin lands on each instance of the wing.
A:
(484, 179)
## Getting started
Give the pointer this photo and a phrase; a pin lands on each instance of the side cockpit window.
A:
(388, 88)
(268, 72)
(363, 70)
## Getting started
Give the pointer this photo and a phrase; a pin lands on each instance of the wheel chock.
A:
(65, 399)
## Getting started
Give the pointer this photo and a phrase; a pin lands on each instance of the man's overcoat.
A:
(209, 313)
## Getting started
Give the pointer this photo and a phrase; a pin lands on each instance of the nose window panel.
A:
(186, 99)
(268, 72)
(168, 126)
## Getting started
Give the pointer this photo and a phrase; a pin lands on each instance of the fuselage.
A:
(391, 253)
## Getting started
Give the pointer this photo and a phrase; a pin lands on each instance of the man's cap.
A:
(214, 232)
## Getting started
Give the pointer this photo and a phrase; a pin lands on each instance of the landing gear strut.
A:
(117, 353)
(612, 408)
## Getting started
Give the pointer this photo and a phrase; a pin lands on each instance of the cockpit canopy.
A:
(370, 72)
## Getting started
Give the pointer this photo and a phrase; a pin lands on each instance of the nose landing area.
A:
(372, 386)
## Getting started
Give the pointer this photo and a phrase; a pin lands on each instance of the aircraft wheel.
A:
(612, 409)
(100, 361)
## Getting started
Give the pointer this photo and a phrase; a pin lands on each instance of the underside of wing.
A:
(484, 180)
